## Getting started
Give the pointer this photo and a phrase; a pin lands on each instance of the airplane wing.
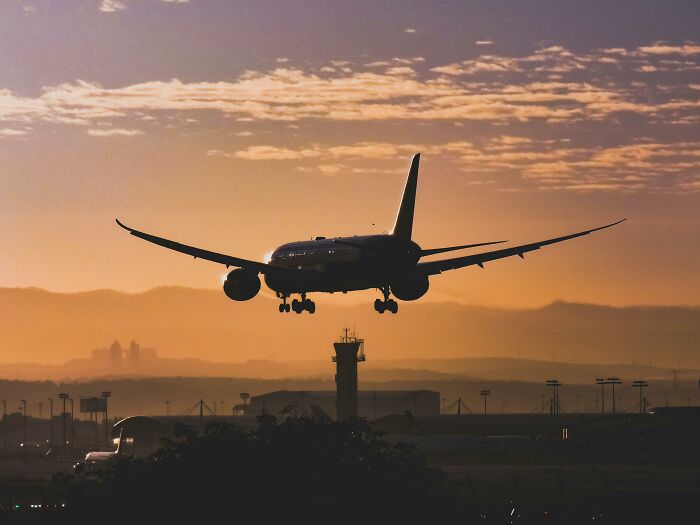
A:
(435, 267)
(199, 253)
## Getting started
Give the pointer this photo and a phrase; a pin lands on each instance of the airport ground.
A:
(607, 469)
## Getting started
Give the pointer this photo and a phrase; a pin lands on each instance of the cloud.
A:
(111, 6)
(551, 164)
(114, 132)
(8, 132)
(273, 153)
(659, 48)
(550, 85)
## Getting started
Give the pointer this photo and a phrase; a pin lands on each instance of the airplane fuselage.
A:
(343, 264)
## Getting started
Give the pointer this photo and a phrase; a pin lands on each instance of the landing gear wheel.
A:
(309, 306)
(297, 306)
(379, 306)
(287, 308)
(282, 308)
(392, 306)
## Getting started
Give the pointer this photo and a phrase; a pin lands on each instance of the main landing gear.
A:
(297, 306)
(387, 304)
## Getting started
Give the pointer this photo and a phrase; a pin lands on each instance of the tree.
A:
(300, 468)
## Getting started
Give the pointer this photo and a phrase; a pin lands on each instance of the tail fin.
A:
(403, 226)
(119, 443)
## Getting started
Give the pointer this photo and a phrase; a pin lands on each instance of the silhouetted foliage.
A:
(300, 468)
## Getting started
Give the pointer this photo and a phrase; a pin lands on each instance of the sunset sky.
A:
(239, 125)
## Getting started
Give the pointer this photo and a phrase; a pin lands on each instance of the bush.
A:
(301, 468)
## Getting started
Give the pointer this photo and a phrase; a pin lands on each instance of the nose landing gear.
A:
(387, 304)
(284, 307)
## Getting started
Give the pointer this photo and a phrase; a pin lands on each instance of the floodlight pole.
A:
(72, 423)
(640, 384)
(50, 421)
(106, 396)
(485, 394)
(24, 421)
(63, 397)
(4, 423)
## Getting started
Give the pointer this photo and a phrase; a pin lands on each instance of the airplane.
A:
(97, 458)
(389, 262)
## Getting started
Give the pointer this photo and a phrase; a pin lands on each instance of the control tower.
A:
(349, 350)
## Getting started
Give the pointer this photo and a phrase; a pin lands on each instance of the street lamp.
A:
(106, 396)
(613, 381)
(72, 423)
(24, 420)
(484, 394)
(63, 397)
(4, 423)
(555, 384)
(640, 384)
(50, 421)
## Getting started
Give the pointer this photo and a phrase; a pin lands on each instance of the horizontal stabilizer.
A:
(433, 251)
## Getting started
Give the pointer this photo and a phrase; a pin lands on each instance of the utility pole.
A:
(602, 383)
(167, 408)
(4, 423)
(106, 396)
(485, 394)
(640, 384)
(72, 423)
(554, 384)
(613, 381)
(50, 421)
(41, 405)
(63, 397)
(541, 404)
(24, 421)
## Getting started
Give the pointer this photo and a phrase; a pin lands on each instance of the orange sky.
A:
(239, 126)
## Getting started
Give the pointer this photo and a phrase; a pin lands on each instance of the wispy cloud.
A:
(111, 6)
(552, 164)
(9, 132)
(546, 85)
(114, 132)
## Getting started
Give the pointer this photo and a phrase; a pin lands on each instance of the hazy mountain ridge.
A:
(46, 327)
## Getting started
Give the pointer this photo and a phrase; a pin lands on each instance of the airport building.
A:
(370, 404)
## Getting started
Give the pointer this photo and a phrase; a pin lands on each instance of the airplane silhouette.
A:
(388, 262)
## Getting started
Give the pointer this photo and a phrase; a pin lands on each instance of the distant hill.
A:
(45, 327)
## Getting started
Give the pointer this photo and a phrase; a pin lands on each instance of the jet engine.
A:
(241, 285)
(411, 287)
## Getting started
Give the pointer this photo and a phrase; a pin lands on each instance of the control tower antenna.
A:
(349, 350)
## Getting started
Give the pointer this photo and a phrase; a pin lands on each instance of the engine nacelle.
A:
(411, 287)
(241, 285)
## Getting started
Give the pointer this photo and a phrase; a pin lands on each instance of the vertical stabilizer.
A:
(404, 218)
